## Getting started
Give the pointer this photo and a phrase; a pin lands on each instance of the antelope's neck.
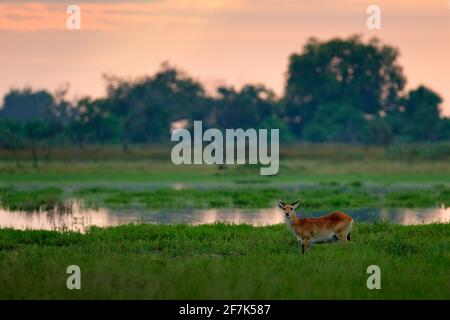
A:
(291, 219)
(290, 224)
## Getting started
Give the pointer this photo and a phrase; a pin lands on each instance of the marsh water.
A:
(80, 216)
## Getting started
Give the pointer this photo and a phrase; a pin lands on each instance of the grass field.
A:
(224, 262)
(291, 171)
(298, 164)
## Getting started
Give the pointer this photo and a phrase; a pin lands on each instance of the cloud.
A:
(77, 1)
(33, 16)
(20, 17)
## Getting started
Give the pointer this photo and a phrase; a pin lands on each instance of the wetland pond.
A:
(79, 217)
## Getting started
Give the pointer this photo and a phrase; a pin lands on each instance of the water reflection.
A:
(78, 219)
(256, 217)
(82, 217)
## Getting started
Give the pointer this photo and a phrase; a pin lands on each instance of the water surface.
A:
(80, 217)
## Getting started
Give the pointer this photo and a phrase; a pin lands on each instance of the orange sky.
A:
(217, 41)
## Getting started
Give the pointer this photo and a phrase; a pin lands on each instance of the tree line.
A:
(340, 90)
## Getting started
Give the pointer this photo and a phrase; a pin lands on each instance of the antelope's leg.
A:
(343, 237)
(304, 245)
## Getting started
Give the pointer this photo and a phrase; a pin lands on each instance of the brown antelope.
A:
(335, 226)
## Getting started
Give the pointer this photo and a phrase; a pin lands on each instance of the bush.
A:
(419, 151)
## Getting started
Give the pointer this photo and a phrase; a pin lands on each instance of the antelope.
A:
(329, 228)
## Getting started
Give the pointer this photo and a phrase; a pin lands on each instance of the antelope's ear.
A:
(281, 204)
(295, 204)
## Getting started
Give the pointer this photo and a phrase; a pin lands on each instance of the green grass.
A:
(43, 198)
(431, 197)
(333, 196)
(292, 171)
(224, 262)
(242, 198)
(299, 163)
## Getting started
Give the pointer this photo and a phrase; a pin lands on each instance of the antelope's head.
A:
(288, 209)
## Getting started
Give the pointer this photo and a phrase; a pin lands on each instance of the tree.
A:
(27, 105)
(418, 117)
(336, 123)
(247, 108)
(36, 118)
(36, 133)
(379, 132)
(444, 129)
(92, 121)
(148, 106)
(11, 136)
(363, 76)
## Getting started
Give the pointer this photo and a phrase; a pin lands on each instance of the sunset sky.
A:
(218, 42)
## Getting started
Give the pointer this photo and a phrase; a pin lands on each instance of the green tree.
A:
(379, 132)
(363, 76)
(28, 105)
(36, 133)
(247, 108)
(336, 123)
(11, 137)
(444, 129)
(148, 106)
(92, 121)
(418, 117)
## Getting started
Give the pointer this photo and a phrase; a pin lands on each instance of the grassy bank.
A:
(225, 261)
(301, 170)
(299, 163)
(334, 196)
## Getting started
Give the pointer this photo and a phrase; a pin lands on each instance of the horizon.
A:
(216, 42)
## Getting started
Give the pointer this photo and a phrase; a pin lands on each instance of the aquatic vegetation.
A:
(431, 197)
(46, 199)
(242, 198)
(319, 197)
